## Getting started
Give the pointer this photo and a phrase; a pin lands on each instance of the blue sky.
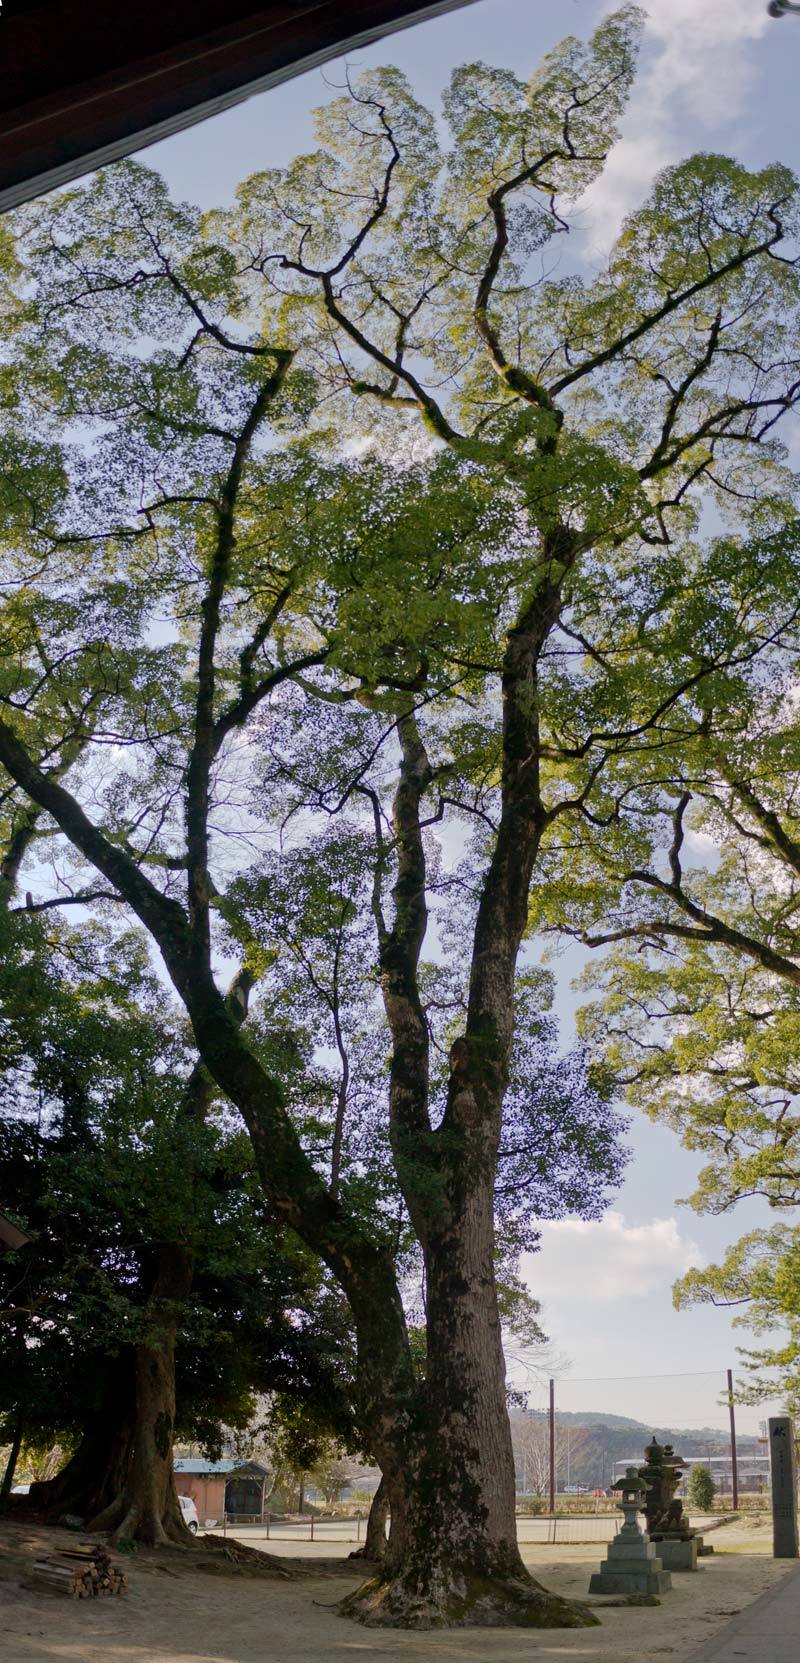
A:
(715, 75)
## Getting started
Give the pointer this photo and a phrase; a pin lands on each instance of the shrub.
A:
(702, 1488)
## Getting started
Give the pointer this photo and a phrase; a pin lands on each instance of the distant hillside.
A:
(589, 1442)
(592, 1417)
(598, 1417)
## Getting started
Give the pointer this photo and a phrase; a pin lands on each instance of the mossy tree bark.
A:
(453, 1558)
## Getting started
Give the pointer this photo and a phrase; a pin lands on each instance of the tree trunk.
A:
(452, 1559)
(374, 1544)
(146, 1507)
(11, 1464)
(97, 1470)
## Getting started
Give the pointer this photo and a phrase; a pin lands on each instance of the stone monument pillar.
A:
(784, 1487)
(631, 1565)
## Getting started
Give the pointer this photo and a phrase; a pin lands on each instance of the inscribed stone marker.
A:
(784, 1487)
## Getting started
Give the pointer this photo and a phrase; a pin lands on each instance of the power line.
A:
(598, 1379)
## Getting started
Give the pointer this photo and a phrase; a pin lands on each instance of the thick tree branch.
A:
(399, 951)
(236, 713)
(83, 898)
(518, 380)
(295, 1190)
(673, 302)
(776, 834)
(479, 1061)
(198, 776)
(707, 927)
(163, 917)
(515, 378)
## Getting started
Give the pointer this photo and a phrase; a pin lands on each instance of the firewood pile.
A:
(83, 1573)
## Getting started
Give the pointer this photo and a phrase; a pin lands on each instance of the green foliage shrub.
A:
(702, 1488)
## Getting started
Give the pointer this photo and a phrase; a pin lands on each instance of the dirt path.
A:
(196, 1616)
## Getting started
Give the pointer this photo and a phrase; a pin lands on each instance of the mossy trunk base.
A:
(146, 1508)
(453, 1598)
(140, 1514)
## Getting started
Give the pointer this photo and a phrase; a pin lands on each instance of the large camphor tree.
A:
(267, 626)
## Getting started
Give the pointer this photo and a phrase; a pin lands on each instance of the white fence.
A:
(311, 1529)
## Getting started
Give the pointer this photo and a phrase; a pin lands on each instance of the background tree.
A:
(693, 892)
(115, 1181)
(759, 1272)
(531, 1440)
(331, 1474)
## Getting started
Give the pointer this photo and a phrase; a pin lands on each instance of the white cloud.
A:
(701, 51)
(703, 844)
(609, 1259)
(697, 65)
(624, 183)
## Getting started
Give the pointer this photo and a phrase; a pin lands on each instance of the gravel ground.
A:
(177, 1612)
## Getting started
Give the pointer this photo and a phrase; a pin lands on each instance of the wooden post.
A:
(734, 1468)
(552, 1446)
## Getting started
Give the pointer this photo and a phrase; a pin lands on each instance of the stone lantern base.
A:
(631, 1567)
(678, 1553)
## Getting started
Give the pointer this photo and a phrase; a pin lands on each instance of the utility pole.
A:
(732, 1413)
(552, 1446)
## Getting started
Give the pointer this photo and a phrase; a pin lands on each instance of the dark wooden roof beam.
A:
(82, 85)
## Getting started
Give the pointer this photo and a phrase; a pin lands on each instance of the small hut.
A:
(217, 1487)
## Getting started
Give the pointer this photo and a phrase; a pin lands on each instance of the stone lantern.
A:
(631, 1565)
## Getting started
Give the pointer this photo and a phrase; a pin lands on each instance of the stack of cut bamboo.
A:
(84, 1573)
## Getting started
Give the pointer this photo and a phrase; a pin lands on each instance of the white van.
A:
(189, 1512)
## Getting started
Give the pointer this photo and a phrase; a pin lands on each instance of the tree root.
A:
(462, 1600)
(110, 1517)
(126, 1519)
